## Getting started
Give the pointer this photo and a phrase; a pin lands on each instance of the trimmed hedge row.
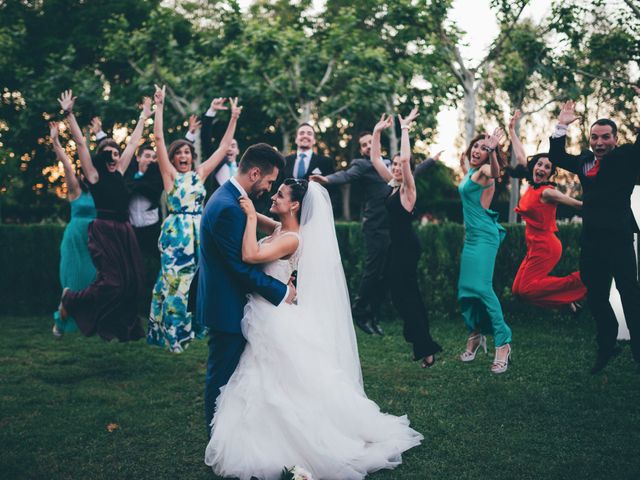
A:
(29, 258)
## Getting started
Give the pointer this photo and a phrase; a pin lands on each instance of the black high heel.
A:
(426, 364)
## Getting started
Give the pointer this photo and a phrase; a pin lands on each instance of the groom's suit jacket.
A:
(224, 279)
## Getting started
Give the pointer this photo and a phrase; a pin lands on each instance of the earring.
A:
(291, 212)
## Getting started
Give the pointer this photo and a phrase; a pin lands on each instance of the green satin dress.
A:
(76, 267)
(483, 234)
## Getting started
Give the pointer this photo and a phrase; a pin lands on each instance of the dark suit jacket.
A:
(324, 164)
(318, 162)
(224, 279)
(149, 185)
(607, 196)
(375, 189)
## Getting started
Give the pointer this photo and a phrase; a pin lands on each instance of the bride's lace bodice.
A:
(281, 269)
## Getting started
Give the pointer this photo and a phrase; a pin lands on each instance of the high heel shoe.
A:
(500, 366)
(426, 363)
(470, 355)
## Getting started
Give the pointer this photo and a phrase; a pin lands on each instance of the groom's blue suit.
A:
(223, 285)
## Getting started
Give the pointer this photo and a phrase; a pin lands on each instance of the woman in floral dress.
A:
(170, 324)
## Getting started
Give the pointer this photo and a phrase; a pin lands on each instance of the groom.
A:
(225, 280)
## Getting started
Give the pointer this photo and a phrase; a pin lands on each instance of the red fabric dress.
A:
(533, 283)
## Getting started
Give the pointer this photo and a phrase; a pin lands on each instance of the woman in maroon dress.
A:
(108, 306)
(537, 207)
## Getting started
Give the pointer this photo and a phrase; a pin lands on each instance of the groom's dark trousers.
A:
(223, 285)
(607, 237)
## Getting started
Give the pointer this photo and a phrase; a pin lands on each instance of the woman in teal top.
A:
(76, 267)
(483, 234)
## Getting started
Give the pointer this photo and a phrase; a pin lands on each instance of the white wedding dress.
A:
(296, 397)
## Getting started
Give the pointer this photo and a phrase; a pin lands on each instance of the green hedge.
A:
(29, 257)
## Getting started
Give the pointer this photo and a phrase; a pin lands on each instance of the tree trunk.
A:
(305, 115)
(514, 185)
(286, 142)
(470, 102)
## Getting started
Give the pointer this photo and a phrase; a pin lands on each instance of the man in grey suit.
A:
(375, 228)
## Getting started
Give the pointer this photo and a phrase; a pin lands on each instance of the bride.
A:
(296, 397)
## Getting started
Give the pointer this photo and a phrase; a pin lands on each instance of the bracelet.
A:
(404, 127)
(67, 112)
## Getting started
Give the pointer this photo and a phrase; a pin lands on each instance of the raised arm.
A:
(205, 168)
(73, 186)
(557, 151)
(67, 101)
(134, 141)
(516, 144)
(376, 154)
(253, 253)
(551, 195)
(167, 170)
(492, 142)
(408, 189)
(206, 132)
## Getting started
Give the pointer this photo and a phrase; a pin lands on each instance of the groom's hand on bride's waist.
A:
(291, 294)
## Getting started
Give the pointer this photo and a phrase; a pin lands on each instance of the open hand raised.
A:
(53, 132)
(194, 123)
(515, 118)
(492, 141)
(95, 126)
(568, 113)
(67, 100)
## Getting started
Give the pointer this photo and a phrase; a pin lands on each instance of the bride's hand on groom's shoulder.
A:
(247, 206)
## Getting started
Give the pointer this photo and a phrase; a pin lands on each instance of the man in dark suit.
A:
(608, 174)
(225, 280)
(144, 182)
(375, 228)
(305, 161)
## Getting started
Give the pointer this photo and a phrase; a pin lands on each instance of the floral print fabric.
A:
(170, 325)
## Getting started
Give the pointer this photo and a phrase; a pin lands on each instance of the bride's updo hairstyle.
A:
(297, 190)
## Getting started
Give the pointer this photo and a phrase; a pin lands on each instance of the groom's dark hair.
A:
(263, 156)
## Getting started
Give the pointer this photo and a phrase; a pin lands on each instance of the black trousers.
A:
(148, 239)
(402, 278)
(608, 254)
(372, 290)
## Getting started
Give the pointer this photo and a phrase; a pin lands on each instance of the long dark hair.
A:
(297, 190)
(520, 171)
(499, 153)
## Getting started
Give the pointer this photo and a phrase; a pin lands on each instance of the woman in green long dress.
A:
(76, 267)
(483, 234)
(170, 324)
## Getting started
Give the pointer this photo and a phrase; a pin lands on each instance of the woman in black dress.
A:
(108, 306)
(405, 246)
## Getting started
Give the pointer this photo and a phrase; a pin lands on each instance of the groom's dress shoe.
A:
(364, 325)
(603, 358)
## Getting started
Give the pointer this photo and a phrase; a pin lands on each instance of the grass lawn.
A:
(546, 418)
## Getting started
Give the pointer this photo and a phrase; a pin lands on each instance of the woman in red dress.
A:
(537, 207)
